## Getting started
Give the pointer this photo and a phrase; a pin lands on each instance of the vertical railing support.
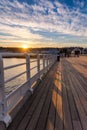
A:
(50, 60)
(3, 105)
(47, 62)
(2, 91)
(28, 72)
(53, 59)
(44, 63)
(38, 65)
(28, 66)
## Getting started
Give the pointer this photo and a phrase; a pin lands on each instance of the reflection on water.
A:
(10, 86)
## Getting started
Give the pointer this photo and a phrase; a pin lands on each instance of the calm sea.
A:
(12, 85)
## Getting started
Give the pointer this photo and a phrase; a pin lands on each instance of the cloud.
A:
(79, 3)
(17, 19)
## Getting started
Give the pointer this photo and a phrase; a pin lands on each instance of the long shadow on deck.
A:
(50, 118)
(44, 110)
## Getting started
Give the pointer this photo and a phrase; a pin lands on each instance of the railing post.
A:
(28, 66)
(3, 104)
(44, 63)
(38, 65)
(28, 72)
(47, 62)
(50, 60)
(46, 59)
(2, 91)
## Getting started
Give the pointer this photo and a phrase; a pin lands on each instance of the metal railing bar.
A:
(12, 98)
(15, 77)
(17, 89)
(33, 61)
(12, 54)
(33, 67)
(9, 67)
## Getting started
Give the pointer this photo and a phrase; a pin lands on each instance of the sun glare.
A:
(24, 46)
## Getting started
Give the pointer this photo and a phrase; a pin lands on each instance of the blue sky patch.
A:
(35, 23)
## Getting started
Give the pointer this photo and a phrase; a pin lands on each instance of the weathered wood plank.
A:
(79, 98)
(16, 121)
(34, 120)
(44, 114)
(51, 117)
(59, 107)
(66, 111)
(21, 115)
(77, 125)
(72, 105)
(28, 117)
(80, 91)
(59, 103)
(80, 109)
(35, 117)
(2, 126)
(32, 108)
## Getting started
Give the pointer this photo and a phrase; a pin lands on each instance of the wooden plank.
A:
(59, 108)
(45, 110)
(79, 88)
(32, 108)
(82, 115)
(62, 107)
(51, 117)
(2, 126)
(83, 98)
(81, 81)
(71, 101)
(66, 109)
(26, 120)
(16, 121)
(73, 109)
(35, 117)
(34, 120)
(50, 125)
(82, 77)
(77, 125)
(20, 116)
(78, 103)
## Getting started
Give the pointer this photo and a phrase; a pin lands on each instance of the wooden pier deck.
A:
(60, 100)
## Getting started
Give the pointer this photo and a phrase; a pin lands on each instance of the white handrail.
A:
(15, 77)
(2, 91)
(8, 102)
(33, 61)
(9, 67)
(33, 67)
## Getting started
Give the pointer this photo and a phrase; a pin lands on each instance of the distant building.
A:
(76, 51)
(49, 51)
(84, 51)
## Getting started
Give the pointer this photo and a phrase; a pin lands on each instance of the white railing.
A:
(7, 102)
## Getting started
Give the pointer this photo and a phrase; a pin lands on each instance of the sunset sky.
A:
(43, 23)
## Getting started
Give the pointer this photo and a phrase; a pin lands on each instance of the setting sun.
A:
(24, 46)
